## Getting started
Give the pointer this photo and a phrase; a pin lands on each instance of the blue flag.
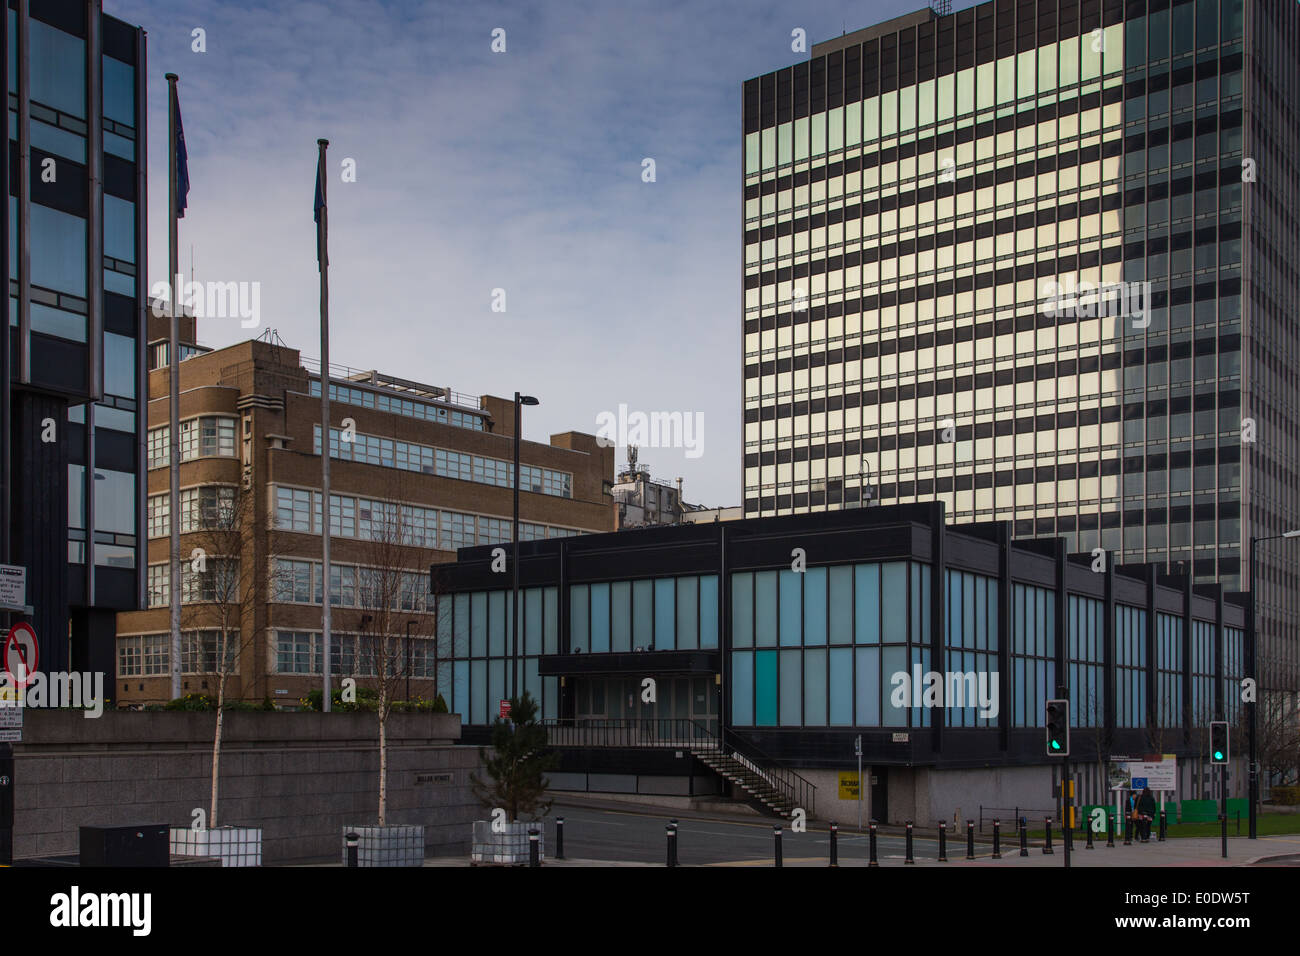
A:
(182, 160)
(318, 206)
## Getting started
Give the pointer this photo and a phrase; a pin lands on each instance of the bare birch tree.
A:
(396, 620)
(223, 593)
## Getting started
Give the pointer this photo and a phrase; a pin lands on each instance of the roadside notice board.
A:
(849, 786)
(11, 714)
(1159, 772)
(13, 585)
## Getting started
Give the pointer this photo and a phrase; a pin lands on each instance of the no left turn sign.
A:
(21, 655)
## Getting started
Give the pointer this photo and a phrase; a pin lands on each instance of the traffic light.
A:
(1058, 728)
(1219, 741)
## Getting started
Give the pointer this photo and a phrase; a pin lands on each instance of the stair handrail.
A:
(799, 790)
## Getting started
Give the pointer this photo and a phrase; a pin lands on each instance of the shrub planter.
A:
(508, 846)
(386, 846)
(234, 846)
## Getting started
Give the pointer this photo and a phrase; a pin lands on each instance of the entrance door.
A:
(879, 793)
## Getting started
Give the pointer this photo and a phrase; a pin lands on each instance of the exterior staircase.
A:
(760, 790)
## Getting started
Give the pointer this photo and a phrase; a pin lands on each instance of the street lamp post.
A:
(520, 401)
(1252, 667)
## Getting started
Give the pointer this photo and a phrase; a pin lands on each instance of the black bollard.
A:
(1110, 830)
(871, 831)
(352, 841)
(1223, 821)
(670, 835)
(1024, 838)
(1047, 847)
(534, 848)
(997, 839)
(908, 858)
(776, 832)
(970, 839)
(835, 850)
(559, 838)
(943, 842)
(1164, 823)
(1087, 826)
(1128, 832)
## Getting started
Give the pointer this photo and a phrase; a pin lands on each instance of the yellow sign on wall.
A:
(849, 785)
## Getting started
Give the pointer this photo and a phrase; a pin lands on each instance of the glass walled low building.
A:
(780, 640)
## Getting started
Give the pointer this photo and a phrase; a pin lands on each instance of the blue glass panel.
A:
(894, 606)
(665, 613)
(119, 91)
(533, 621)
(765, 689)
(621, 616)
(478, 624)
(742, 610)
(765, 608)
(58, 141)
(599, 619)
(497, 632)
(58, 259)
(119, 228)
(893, 662)
(551, 643)
(709, 611)
(814, 688)
(869, 684)
(478, 695)
(867, 603)
(460, 626)
(841, 605)
(841, 686)
(57, 68)
(742, 688)
(65, 325)
(791, 608)
(579, 624)
(688, 609)
(643, 614)
(458, 703)
(814, 607)
(550, 697)
(496, 686)
(791, 689)
(119, 365)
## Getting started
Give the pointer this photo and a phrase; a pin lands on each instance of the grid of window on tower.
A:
(907, 199)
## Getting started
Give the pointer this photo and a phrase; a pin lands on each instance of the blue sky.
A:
(479, 171)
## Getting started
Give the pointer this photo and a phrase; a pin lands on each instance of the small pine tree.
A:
(518, 763)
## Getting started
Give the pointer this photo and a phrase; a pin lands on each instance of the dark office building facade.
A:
(74, 371)
(1038, 260)
(781, 640)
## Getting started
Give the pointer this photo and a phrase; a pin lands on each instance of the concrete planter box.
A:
(387, 846)
(234, 846)
(508, 846)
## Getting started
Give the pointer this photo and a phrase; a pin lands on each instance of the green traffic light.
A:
(1056, 745)
(1218, 755)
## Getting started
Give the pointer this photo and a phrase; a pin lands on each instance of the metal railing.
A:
(801, 793)
(682, 732)
(629, 732)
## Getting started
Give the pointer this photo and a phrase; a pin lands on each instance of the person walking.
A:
(1146, 812)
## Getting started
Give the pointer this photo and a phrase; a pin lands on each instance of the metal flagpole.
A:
(174, 400)
(322, 257)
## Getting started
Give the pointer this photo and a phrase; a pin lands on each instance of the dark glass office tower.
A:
(74, 403)
(917, 196)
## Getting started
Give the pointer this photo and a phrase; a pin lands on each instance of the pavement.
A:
(609, 833)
